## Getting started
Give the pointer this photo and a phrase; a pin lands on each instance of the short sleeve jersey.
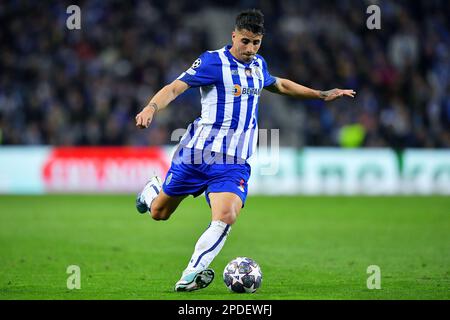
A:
(230, 90)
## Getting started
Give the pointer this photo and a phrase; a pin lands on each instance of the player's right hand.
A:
(144, 118)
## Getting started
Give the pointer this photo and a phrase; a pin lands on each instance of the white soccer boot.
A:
(145, 197)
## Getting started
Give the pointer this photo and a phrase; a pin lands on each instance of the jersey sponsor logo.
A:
(251, 91)
(196, 63)
(238, 90)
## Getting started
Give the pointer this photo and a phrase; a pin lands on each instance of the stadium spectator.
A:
(82, 87)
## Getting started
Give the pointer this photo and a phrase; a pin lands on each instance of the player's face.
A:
(245, 44)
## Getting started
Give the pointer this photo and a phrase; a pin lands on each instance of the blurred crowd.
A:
(84, 87)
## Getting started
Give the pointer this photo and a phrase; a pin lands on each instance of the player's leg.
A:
(225, 207)
(226, 193)
(154, 200)
(164, 205)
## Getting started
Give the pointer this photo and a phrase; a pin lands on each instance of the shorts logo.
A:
(241, 185)
(196, 63)
(237, 90)
(168, 179)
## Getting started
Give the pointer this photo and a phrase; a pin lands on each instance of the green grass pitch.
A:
(308, 247)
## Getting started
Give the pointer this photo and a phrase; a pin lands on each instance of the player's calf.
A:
(160, 212)
(164, 205)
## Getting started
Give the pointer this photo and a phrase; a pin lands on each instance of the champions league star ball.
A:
(242, 275)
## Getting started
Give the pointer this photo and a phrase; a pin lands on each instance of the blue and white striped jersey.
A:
(230, 91)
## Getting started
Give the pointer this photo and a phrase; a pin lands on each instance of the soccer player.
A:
(212, 155)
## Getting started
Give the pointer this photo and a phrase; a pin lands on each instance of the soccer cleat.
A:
(195, 280)
(150, 192)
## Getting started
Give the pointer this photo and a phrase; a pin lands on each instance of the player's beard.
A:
(247, 58)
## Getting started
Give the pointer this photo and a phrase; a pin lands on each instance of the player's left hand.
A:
(333, 94)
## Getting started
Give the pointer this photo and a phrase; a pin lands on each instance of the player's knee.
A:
(228, 216)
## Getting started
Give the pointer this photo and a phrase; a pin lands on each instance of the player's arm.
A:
(292, 89)
(159, 101)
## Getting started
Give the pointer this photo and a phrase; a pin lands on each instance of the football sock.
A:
(208, 246)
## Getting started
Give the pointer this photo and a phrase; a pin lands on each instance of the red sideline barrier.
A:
(100, 169)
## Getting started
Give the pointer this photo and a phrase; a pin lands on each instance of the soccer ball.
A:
(242, 275)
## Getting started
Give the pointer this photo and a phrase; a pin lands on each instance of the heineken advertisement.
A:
(425, 172)
(284, 171)
(330, 171)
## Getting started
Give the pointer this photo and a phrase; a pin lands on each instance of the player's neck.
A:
(236, 56)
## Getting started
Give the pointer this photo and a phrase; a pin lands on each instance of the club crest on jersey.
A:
(257, 72)
(196, 63)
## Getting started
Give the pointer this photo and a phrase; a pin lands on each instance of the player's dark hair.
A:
(251, 20)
